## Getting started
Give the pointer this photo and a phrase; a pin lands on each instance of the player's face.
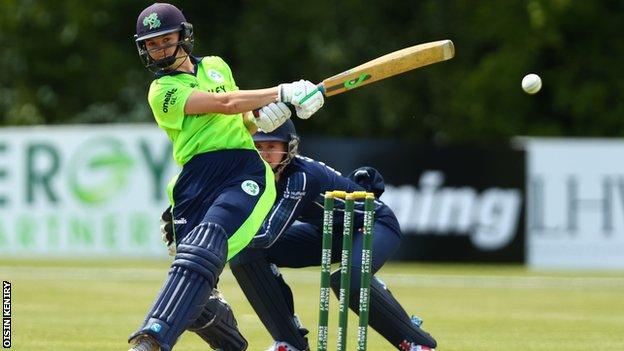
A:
(273, 152)
(162, 46)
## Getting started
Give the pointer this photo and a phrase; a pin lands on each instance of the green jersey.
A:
(195, 134)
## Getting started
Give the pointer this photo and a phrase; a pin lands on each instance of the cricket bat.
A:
(389, 65)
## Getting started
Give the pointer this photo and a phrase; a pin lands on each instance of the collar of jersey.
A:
(195, 59)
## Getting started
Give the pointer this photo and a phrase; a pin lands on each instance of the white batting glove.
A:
(304, 95)
(272, 116)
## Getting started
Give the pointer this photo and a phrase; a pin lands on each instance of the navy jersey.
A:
(300, 196)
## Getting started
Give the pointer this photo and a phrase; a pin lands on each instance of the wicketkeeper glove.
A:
(370, 179)
(166, 231)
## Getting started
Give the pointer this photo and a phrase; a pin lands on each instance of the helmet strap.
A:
(167, 61)
(293, 146)
(186, 42)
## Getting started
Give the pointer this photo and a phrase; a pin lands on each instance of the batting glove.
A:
(272, 116)
(304, 95)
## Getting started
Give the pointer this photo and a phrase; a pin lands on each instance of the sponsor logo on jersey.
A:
(219, 89)
(169, 100)
(250, 187)
(295, 195)
(180, 221)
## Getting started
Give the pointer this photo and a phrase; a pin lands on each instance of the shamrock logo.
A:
(151, 20)
(250, 187)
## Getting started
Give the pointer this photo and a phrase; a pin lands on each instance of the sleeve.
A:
(233, 86)
(300, 189)
(167, 100)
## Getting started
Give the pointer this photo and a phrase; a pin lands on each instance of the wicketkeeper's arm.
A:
(301, 188)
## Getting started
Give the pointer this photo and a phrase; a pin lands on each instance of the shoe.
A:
(421, 348)
(282, 346)
(302, 330)
(417, 321)
(408, 346)
(144, 343)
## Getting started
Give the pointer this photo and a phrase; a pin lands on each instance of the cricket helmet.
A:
(285, 133)
(160, 19)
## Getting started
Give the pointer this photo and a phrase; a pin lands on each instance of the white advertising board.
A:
(575, 202)
(91, 190)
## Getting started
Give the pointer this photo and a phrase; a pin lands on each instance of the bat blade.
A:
(389, 65)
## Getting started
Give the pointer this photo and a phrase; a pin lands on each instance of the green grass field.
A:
(95, 305)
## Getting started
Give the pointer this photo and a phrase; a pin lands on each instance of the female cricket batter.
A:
(301, 183)
(224, 191)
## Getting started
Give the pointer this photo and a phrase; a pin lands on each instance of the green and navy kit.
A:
(223, 179)
(233, 188)
(195, 134)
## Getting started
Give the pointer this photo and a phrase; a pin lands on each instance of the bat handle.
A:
(321, 88)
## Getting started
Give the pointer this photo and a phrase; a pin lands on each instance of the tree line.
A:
(75, 62)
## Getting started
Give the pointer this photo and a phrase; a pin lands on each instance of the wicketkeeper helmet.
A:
(285, 133)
